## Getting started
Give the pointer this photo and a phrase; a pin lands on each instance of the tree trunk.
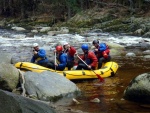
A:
(11, 9)
(22, 9)
(69, 12)
(81, 4)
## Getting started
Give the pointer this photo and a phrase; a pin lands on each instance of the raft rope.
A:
(22, 83)
(21, 65)
(112, 71)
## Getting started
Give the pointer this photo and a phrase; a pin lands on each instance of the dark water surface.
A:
(111, 92)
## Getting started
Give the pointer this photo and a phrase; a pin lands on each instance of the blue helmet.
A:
(85, 47)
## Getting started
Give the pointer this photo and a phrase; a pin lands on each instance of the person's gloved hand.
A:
(35, 52)
(76, 54)
(89, 66)
(56, 64)
(96, 50)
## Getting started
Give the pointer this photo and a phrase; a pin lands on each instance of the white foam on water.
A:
(22, 39)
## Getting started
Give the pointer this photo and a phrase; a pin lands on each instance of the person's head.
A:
(85, 47)
(36, 46)
(65, 45)
(95, 43)
(59, 49)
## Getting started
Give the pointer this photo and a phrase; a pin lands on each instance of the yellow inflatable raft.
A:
(108, 69)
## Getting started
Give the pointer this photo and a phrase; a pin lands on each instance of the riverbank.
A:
(113, 19)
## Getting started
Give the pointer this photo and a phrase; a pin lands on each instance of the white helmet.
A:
(65, 43)
(35, 44)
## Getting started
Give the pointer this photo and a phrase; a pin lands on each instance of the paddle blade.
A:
(100, 78)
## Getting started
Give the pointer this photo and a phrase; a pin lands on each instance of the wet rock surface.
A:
(138, 90)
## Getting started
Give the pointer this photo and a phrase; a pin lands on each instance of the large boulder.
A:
(5, 57)
(48, 86)
(9, 76)
(12, 103)
(18, 28)
(139, 89)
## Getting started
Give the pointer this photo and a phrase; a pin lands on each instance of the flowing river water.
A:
(110, 93)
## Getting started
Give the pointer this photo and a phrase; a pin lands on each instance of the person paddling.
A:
(39, 55)
(88, 57)
(62, 59)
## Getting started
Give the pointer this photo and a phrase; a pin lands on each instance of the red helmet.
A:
(59, 48)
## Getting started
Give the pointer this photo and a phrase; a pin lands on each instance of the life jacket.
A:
(62, 58)
(103, 50)
(38, 58)
(102, 47)
(87, 60)
(70, 53)
(87, 57)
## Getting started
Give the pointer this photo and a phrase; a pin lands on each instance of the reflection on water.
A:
(111, 92)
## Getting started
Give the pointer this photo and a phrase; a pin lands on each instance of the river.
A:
(110, 93)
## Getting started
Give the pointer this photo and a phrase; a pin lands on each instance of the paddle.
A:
(55, 61)
(99, 77)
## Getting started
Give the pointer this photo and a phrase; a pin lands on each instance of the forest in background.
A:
(62, 10)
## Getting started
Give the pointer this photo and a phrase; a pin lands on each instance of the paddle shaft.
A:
(100, 78)
(55, 61)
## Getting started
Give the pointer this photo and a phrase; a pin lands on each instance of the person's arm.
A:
(92, 56)
(105, 53)
(42, 53)
(96, 51)
(63, 61)
(32, 60)
(82, 57)
(72, 51)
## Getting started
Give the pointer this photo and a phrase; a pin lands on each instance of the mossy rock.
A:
(117, 28)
